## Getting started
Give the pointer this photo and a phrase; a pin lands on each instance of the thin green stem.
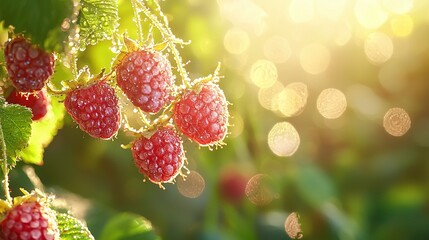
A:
(166, 32)
(137, 20)
(73, 66)
(5, 167)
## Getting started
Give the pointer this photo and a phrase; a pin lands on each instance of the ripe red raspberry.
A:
(232, 186)
(159, 157)
(29, 220)
(95, 109)
(203, 116)
(29, 67)
(37, 102)
(146, 79)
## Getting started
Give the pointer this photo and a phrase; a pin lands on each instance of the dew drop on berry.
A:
(130, 67)
(35, 215)
(24, 235)
(140, 72)
(27, 208)
(138, 61)
(160, 152)
(10, 223)
(184, 108)
(170, 148)
(214, 128)
(33, 53)
(213, 116)
(35, 234)
(168, 170)
(89, 108)
(20, 54)
(108, 111)
(34, 224)
(25, 217)
(148, 145)
(39, 73)
(17, 226)
(146, 89)
(84, 116)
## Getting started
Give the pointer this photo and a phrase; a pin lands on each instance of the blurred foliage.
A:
(42, 23)
(349, 179)
(15, 130)
(42, 133)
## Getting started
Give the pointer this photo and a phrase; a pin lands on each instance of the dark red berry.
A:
(146, 79)
(29, 67)
(232, 186)
(37, 102)
(95, 109)
(203, 116)
(29, 220)
(159, 157)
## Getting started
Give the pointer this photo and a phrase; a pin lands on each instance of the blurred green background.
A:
(348, 179)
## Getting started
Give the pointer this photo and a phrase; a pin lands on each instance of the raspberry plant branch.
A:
(166, 32)
(137, 19)
(5, 167)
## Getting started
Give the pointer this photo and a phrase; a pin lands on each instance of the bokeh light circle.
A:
(267, 96)
(301, 11)
(331, 103)
(378, 47)
(277, 49)
(314, 58)
(263, 73)
(236, 41)
(344, 34)
(396, 122)
(370, 13)
(402, 25)
(258, 190)
(293, 227)
(191, 187)
(283, 139)
(398, 6)
(331, 9)
(293, 98)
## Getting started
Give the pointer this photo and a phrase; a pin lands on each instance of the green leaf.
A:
(97, 20)
(314, 185)
(15, 121)
(127, 226)
(40, 20)
(71, 228)
(43, 132)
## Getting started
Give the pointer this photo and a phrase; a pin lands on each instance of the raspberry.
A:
(161, 156)
(29, 67)
(95, 109)
(203, 116)
(146, 79)
(29, 220)
(37, 102)
(232, 186)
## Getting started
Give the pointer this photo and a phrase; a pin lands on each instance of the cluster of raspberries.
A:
(145, 76)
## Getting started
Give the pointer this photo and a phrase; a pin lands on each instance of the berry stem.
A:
(4, 166)
(137, 19)
(166, 32)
